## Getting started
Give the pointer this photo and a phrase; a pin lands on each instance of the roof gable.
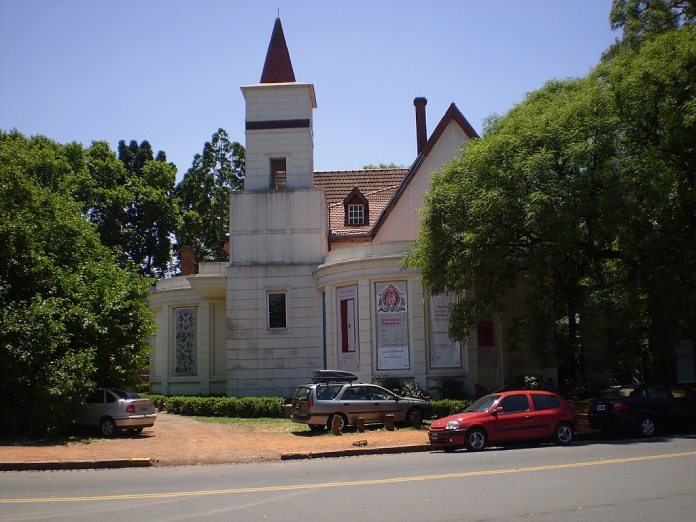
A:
(453, 114)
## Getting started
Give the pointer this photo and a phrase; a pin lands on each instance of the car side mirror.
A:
(496, 411)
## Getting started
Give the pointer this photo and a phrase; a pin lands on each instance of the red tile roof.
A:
(378, 186)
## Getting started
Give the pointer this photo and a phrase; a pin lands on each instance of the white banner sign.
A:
(392, 326)
(444, 352)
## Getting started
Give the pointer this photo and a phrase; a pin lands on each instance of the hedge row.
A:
(244, 407)
(255, 407)
(446, 407)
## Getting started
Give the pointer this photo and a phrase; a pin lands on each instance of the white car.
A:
(113, 410)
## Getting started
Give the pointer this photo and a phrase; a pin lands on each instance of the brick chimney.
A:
(421, 130)
(187, 256)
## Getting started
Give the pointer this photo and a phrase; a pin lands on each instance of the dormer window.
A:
(356, 214)
(356, 208)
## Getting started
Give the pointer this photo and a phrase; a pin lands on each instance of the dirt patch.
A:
(177, 440)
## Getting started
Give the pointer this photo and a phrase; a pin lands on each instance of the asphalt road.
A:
(619, 480)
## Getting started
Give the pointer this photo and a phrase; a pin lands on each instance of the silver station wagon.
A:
(336, 394)
(113, 410)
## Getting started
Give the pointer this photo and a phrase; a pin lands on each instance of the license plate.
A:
(601, 407)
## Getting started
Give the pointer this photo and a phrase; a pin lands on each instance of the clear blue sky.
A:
(169, 71)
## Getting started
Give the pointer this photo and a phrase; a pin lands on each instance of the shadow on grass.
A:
(353, 429)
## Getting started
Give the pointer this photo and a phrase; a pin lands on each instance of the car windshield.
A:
(483, 404)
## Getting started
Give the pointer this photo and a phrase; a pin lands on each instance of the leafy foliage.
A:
(581, 204)
(404, 386)
(451, 387)
(130, 198)
(70, 317)
(392, 165)
(640, 20)
(204, 196)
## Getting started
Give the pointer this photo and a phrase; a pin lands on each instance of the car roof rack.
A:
(326, 376)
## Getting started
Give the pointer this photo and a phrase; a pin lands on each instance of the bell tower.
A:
(278, 127)
(278, 236)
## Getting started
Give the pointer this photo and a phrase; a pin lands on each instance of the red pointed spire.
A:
(277, 68)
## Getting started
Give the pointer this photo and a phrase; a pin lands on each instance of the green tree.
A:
(640, 20)
(152, 215)
(203, 196)
(392, 165)
(581, 201)
(70, 317)
(130, 198)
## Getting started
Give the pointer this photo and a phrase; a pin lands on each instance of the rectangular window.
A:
(279, 178)
(185, 335)
(356, 214)
(277, 310)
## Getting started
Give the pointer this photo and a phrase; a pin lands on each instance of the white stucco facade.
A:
(296, 295)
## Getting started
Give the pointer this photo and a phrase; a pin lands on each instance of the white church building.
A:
(315, 277)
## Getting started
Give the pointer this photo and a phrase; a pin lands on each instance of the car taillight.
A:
(310, 400)
(130, 409)
(620, 406)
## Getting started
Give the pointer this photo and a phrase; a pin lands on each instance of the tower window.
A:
(356, 214)
(279, 178)
(277, 311)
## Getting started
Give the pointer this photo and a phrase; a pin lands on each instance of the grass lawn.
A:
(276, 425)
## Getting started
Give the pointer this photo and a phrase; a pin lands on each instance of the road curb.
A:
(355, 452)
(75, 464)
(579, 436)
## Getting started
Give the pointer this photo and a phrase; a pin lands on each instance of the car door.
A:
(356, 403)
(683, 407)
(513, 420)
(383, 403)
(90, 413)
(545, 415)
(659, 401)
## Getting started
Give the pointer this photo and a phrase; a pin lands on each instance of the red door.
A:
(513, 420)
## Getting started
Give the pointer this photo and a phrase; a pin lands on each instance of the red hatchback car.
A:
(505, 417)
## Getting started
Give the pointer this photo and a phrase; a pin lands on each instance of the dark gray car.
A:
(318, 403)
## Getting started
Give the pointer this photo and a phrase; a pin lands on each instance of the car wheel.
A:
(646, 426)
(476, 439)
(107, 427)
(135, 431)
(564, 434)
(343, 422)
(412, 414)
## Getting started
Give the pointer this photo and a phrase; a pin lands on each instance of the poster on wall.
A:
(444, 352)
(392, 326)
(347, 327)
